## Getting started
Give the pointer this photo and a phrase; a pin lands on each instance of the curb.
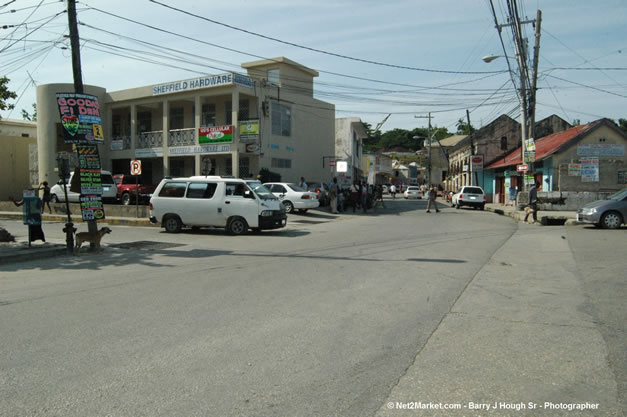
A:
(544, 220)
(29, 254)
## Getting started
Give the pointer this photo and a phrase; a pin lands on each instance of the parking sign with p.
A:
(136, 167)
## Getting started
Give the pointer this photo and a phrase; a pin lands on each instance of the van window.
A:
(201, 189)
(235, 189)
(106, 179)
(173, 189)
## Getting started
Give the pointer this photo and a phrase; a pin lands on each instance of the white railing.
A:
(182, 137)
(150, 139)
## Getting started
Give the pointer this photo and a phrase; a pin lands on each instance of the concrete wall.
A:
(608, 166)
(18, 161)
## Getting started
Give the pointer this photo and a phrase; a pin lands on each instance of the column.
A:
(235, 144)
(197, 113)
(134, 126)
(166, 131)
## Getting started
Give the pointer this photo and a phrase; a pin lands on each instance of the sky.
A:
(406, 58)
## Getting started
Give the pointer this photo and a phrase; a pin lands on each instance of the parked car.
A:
(127, 189)
(412, 191)
(471, 196)
(109, 189)
(213, 201)
(609, 214)
(293, 197)
(322, 190)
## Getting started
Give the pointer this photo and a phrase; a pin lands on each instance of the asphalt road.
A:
(320, 319)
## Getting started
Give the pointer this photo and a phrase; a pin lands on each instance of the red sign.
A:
(331, 163)
(522, 168)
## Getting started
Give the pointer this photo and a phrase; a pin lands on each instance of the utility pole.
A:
(472, 151)
(534, 76)
(92, 225)
(429, 154)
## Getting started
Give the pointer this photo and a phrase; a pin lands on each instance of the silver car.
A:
(609, 214)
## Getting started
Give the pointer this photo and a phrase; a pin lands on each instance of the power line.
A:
(318, 50)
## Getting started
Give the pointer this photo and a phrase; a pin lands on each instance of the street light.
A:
(490, 58)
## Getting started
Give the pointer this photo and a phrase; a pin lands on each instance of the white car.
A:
(109, 189)
(293, 197)
(471, 196)
(412, 192)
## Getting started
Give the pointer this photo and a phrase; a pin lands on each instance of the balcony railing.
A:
(121, 142)
(150, 139)
(182, 137)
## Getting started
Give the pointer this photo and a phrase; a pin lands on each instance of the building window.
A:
(144, 121)
(242, 114)
(281, 120)
(244, 167)
(208, 115)
(281, 163)
(274, 76)
(177, 118)
(503, 143)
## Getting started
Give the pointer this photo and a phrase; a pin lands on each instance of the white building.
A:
(225, 124)
(349, 135)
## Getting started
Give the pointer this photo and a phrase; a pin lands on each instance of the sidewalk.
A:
(546, 218)
(517, 338)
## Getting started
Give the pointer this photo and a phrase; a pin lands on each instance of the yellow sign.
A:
(98, 134)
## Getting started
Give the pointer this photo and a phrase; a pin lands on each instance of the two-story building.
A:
(349, 135)
(225, 124)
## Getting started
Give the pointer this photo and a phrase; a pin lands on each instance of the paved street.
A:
(333, 316)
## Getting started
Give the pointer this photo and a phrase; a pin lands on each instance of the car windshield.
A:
(473, 190)
(619, 195)
(261, 191)
(295, 187)
(413, 189)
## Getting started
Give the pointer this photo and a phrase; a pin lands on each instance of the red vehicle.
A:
(127, 189)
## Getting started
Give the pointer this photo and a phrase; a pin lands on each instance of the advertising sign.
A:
(477, 163)
(522, 168)
(574, 170)
(80, 117)
(90, 182)
(217, 134)
(530, 145)
(589, 170)
(530, 156)
(341, 166)
(249, 130)
(601, 149)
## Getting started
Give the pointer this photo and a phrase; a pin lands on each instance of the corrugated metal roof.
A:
(547, 145)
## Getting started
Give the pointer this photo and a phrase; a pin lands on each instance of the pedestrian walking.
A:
(433, 194)
(378, 196)
(393, 191)
(364, 197)
(333, 192)
(533, 203)
(46, 196)
(354, 192)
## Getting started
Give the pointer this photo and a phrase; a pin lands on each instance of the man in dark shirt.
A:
(533, 202)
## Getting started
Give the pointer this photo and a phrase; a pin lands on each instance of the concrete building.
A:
(18, 168)
(225, 124)
(583, 159)
(349, 135)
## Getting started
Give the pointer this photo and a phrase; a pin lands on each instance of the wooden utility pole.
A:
(473, 174)
(92, 225)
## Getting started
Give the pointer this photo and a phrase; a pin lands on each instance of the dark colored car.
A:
(609, 214)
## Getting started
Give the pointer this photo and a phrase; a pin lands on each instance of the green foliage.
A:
(463, 128)
(401, 137)
(622, 124)
(32, 117)
(6, 94)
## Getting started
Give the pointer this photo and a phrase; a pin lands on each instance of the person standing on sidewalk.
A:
(433, 194)
(46, 197)
(333, 192)
(533, 202)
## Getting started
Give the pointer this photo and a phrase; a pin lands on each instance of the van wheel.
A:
(289, 207)
(172, 224)
(126, 199)
(237, 226)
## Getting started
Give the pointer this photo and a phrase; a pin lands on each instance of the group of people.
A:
(359, 196)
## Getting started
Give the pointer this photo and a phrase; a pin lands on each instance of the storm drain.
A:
(145, 245)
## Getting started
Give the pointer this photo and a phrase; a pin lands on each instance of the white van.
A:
(214, 201)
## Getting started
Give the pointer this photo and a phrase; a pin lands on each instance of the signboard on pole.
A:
(90, 182)
(341, 166)
(522, 168)
(80, 117)
(136, 167)
(477, 163)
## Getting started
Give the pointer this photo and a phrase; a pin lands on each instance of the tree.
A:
(463, 128)
(6, 94)
(28, 116)
(622, 125)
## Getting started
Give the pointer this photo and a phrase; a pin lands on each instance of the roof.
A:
(449, 141)
(279, 60)
(549, 145)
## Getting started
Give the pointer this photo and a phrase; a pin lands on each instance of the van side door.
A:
(239, 200)
(202, 204)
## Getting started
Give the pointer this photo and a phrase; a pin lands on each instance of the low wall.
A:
(568, 200)
(111, 210)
